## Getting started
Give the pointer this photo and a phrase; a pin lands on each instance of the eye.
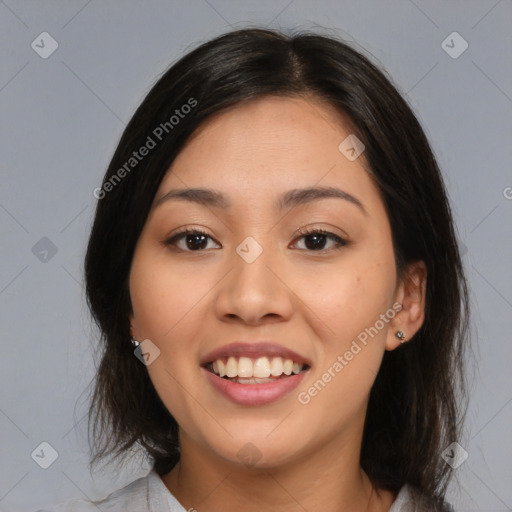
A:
(316, 239)
(189, 240)
(196, 240)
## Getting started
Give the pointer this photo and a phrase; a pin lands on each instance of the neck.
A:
(328, 479)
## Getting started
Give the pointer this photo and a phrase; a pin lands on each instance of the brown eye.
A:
(190, 240)
(317, 239)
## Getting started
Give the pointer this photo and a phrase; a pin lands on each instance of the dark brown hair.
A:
(415, 409)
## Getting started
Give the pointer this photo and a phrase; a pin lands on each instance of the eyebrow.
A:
(294, 197)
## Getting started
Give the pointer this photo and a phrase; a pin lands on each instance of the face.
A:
(289, 256)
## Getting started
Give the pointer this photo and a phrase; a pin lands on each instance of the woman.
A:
(275, 273)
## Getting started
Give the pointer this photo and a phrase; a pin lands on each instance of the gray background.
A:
(61, 118)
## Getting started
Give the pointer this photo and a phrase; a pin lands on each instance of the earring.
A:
(401, 336)
(135, 343)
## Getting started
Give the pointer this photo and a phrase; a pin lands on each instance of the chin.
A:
(258, 451)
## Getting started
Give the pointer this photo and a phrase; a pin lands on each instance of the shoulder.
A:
(146, 494)
(410, 499)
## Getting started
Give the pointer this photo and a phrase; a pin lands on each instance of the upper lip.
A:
(253, 350)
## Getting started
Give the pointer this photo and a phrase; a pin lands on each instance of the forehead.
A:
(267, 146)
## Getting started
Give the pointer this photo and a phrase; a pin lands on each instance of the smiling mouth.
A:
(261, 370)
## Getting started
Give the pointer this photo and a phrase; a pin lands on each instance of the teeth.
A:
(221, 367)
(245, 367)
(261, 368)
(254, 380)
(276, 366)
(287, 366)
(232, 367)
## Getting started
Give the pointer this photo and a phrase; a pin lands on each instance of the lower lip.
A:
(254, 394)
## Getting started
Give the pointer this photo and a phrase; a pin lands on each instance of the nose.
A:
(254, 292)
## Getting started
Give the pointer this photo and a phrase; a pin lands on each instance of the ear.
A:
(411, 294)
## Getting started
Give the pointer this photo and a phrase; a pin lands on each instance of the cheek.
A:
(350, 296)
(165, 311)
(352, 349)
(348, 303)
(162, 297)
(370, 289)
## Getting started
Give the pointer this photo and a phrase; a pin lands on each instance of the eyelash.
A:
(340, 242)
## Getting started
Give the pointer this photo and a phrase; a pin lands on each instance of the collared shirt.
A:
(149, 494)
